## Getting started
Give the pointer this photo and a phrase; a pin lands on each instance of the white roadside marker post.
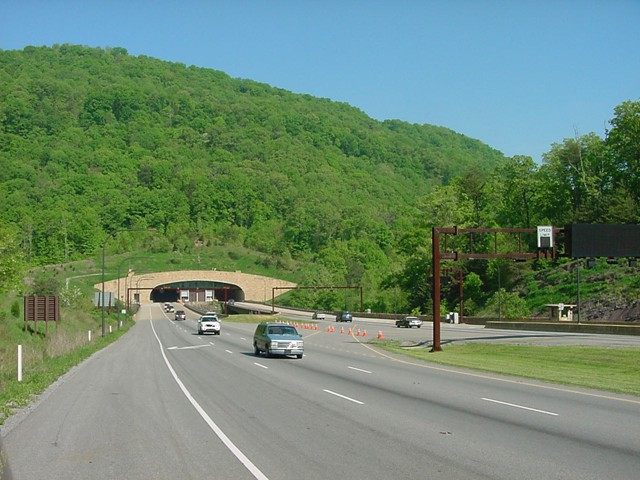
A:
(19, 363)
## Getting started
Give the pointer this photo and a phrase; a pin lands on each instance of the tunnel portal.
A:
(196, 292)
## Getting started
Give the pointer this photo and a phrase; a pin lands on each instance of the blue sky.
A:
(518, 75)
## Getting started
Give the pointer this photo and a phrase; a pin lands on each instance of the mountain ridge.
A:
(97, 124)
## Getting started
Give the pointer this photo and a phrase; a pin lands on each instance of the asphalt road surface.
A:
(463, 333)
(166, 403)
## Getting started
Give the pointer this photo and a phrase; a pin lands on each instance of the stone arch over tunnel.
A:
(156, 287)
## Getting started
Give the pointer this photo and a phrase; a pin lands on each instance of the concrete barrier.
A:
(573, 327)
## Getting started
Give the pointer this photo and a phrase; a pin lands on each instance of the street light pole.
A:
(118, 297)
(104, 246)
(499, 295)
(578, 281)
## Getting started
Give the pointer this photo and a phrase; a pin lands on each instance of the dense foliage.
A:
(95, 140)
(581, 180)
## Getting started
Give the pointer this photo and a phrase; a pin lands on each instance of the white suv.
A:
(209, 323)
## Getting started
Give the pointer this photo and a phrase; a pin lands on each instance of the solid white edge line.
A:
(345, 397)
(255, 471)
(521, 407)
(260, 365)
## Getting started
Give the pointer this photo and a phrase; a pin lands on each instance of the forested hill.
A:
(94, 140)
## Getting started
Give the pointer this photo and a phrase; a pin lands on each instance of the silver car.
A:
(277, 339)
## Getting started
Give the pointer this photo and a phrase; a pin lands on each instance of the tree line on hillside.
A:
(95, 140)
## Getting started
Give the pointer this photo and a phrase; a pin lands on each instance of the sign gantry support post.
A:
(435, 239)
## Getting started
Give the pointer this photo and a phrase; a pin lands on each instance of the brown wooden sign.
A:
(41, 309)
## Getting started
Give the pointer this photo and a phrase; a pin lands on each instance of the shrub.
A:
(15, 309)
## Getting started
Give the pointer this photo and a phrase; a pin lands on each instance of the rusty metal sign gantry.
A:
(469, 246)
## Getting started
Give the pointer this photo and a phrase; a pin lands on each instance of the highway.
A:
(166, 403)
(463, 333)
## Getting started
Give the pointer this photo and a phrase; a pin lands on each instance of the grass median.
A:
(609, 369)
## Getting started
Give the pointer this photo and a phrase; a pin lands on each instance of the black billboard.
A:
(602, 240)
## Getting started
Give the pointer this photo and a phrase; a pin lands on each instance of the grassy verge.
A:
(610, 369)
(44, 359)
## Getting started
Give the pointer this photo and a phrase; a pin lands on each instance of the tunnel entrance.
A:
(165, 294)
(196, 291)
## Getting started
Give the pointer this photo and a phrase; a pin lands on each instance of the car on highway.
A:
(209, 323)
(318, 316)
(344, 317)
(180, 315)
(409, 322)
(277, 339)
(168, 307)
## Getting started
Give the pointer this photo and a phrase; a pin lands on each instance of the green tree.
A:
(507, 305)
(473, 288)
(623, 140)
(444, 207)
(576, 181)
(46, 283)
(12, 262)
(513, 187)
(472, 186)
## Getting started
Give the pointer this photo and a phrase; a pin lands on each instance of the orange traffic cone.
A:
(364, 334)
(358, 333)
(350, 331)
(380, 334)
(341, 329)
